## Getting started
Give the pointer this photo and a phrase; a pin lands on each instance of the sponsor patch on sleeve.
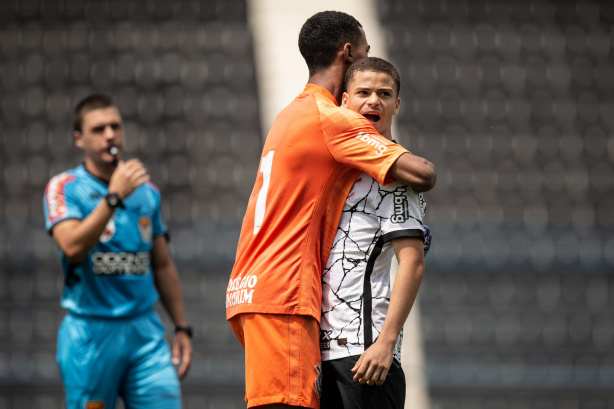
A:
(56, 199)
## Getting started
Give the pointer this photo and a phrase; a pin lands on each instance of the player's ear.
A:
(347, 53)
(397, 106)
(344, 100)
(78, 138)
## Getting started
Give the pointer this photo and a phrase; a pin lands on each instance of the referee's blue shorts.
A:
(101, 359)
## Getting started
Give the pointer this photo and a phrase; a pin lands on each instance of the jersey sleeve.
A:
(400, 212)
(60, 200)
(353, 141)
(158, 224)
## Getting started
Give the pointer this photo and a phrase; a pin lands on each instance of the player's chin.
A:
(379, 128)
(105, 155)
(106, 160)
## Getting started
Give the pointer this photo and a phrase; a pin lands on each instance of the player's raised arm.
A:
(414, 171)
(77, 237)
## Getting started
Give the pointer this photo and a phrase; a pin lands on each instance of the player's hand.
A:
(127, 177)
(373, 365)
(427, 239)
(182, 353)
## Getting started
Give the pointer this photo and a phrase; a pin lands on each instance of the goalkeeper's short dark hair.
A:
(323, 34)
(376, 65)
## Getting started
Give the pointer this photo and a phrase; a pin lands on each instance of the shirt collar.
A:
(91, 176)
(310, 88)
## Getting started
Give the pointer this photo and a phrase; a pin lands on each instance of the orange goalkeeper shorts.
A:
(282, 358)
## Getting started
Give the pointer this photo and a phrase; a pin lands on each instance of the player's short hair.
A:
(376, 65)
(323, 34)
(87, 104)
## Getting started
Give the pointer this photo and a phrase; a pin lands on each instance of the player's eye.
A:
(100, 129)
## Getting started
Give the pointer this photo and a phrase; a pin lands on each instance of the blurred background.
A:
(513, 102)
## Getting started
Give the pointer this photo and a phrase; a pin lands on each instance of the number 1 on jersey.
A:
(266, 164)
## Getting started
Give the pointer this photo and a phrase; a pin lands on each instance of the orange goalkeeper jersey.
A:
(310, 160)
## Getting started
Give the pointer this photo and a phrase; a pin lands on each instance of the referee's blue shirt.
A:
(115, 278)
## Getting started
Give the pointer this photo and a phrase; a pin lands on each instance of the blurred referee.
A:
(105, 216)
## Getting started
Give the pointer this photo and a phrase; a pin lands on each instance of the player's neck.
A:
(101, 171)
(386, 133)
(330, 79)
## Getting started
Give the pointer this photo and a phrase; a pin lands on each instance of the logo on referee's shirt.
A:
(56, 199)
(145, 228)
(94, 404)
(121, 263)
(109, 231)
(401, 206)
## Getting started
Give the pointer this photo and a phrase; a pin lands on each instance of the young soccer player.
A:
(361, 325)
(311, 157)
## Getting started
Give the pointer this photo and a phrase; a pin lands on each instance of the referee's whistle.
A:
(113, 151)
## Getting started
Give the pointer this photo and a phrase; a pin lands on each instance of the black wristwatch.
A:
(187, 329)
(113, 200)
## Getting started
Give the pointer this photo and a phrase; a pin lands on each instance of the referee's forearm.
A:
(76, 238)
(167, 283)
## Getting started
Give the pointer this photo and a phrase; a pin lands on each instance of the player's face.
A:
(373, 94)
(101, 129)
